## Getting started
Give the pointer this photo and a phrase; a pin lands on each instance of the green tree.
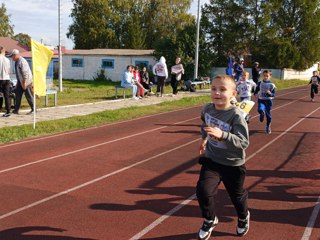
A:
(90, 24)
(121, 24)
(6, 29)
(23, 39)
(225, 25)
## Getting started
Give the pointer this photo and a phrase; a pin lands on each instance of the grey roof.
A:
(111, 52)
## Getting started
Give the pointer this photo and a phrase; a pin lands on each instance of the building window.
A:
(142, 64)
(107, 63)
(77, 62)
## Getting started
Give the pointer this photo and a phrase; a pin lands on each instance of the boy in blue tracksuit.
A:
(265, 91)
(314, 81)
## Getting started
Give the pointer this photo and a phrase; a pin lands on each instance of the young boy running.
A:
(224, 140)
(245, 86)
(265, 91)
(314, 81)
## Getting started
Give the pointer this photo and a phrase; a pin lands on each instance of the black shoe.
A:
(206, 229)
(261, 117)
(15, 112)
(6, 115)
(243, 225)
(29, 113)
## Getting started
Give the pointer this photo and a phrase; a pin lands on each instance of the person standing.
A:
(265, 91)
(238, 69)
(176, 72)
(256, 71)
(224, 138)
(24, 81)
(5, 80)
(161, 71)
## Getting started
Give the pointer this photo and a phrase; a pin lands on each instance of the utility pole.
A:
(59, 47)
(197, 44)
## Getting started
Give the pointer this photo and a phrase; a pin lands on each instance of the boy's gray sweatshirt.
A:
(230, 149)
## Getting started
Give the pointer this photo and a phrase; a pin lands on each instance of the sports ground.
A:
(136, 179)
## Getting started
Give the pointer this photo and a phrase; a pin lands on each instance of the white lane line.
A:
(110, 124)
(312, 221)
(92, 146)
(163, 217)
(178, 207)
(92, 181)
(88, 129)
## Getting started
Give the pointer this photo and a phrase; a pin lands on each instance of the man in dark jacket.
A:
(256, 71)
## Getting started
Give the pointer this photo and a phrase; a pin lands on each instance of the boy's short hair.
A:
(267, 71)
(225, 78)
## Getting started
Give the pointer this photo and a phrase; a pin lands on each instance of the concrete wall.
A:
(92, 65)
(283, 74)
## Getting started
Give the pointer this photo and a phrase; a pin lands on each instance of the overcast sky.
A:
(39, 19)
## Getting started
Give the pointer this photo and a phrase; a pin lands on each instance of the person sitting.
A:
(128, 82)
(145, 81)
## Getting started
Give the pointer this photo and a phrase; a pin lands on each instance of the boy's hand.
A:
(202, 147)
(214, 132)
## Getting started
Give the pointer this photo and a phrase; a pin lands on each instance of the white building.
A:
(86, 64)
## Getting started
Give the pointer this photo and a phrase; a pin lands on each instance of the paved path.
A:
(59, 112)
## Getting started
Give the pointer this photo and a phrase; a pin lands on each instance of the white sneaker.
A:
(243, 225)
(135, 98)
(207, 228)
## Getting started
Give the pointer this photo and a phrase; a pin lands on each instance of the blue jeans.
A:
(133, 87)
(264, 107)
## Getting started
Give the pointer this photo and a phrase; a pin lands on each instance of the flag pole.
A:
(34, 108)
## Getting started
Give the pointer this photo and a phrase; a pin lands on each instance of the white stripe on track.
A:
(163, 217)
(90, 147)
(87, 129)
(92, 181)
(178, 207)
(312, 221)
(111, 141)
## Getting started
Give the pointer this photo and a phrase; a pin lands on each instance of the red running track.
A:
(136, 179)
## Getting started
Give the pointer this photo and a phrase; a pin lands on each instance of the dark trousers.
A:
(174, 84)
(5, 86)
(314, 90)
(211, 175)
(160, 84)
(265, 106)
(27, 92)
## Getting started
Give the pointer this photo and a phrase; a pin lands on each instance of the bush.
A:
(100, 76)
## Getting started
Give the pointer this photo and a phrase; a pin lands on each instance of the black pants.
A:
(160, 84)
(27, 92)
(314, 90)
(174, 84)
(207, 187)
(5, 85)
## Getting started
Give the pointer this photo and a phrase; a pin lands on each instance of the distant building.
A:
(86, 64)
(11, 44)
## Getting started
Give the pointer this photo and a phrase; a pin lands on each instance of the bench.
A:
(202, 83)
(51, 92)
(123, 90)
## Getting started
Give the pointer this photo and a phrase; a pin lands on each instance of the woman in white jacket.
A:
(161, 71)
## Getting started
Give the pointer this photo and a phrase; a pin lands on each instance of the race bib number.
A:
(245, 105)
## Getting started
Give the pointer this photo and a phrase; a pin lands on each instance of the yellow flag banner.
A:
(41, 57)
